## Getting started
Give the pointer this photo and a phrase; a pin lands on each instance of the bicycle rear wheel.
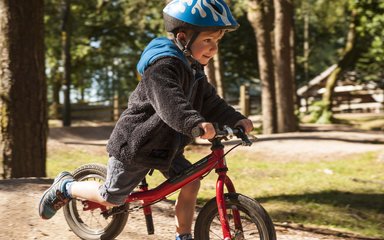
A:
(90, 224)
(255, 221)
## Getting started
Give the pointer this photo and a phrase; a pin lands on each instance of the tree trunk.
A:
(56, 87)
(66, 41)
(259, 16)
(219, 76)
(292, 42)
(210, 72)
(23, 118)
(348, 58)
(214, 74)
(306, 41)
(286, 118)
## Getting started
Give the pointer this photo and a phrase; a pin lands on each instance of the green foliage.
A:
(371, 64)
(326, 117)
(145, 15)
(328, 25)
(328, 28)
(109, 36)
(315, 112)
(239, 55)
(111, 51)
(107, 40)
(52, 40)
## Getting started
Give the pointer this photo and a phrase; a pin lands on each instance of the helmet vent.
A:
(216, 8)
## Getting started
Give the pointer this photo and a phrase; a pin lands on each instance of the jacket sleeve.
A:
(163, 86)
(215, 109)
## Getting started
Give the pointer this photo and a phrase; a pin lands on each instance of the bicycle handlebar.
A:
(225, 132)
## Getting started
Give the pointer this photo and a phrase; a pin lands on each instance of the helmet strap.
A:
(187, 48)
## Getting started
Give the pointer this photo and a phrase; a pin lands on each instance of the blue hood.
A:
(157, 48)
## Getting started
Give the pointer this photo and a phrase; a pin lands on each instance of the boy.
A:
(172, 98)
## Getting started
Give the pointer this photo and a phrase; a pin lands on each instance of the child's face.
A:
(206, 46)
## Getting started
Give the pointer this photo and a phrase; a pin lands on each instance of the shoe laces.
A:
(60, 200)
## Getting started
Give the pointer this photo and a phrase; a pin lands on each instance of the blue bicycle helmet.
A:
(198, 15)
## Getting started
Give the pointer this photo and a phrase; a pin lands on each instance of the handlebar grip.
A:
(197, 132)
(241, 134)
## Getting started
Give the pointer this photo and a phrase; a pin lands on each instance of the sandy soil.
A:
(19, 197)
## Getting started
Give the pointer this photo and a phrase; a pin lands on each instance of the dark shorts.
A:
(123, 179)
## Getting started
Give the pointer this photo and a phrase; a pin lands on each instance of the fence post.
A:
(116, 107)
(244, 100)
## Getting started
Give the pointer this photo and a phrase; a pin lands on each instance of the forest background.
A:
(57, 52)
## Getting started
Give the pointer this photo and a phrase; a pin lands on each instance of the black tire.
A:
(255, 221)
(90, 225)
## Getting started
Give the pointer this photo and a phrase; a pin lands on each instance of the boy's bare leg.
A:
(88, 190)
(185, 207)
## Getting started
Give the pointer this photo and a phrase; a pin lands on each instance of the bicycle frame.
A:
(198, 170)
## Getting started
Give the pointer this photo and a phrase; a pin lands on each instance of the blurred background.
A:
(294, 66)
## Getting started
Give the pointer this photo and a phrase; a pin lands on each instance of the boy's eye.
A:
(210, 40)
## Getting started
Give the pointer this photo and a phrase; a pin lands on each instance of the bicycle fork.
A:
(224, 180)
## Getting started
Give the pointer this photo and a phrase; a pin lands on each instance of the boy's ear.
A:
(182, 37)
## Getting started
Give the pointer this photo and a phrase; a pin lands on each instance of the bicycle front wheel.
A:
(90, 224)
(255, 221)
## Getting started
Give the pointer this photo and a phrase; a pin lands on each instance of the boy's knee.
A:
(192, 187)
(196, 184)
(110, 200)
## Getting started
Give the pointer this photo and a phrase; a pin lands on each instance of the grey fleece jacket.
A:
(170, 100)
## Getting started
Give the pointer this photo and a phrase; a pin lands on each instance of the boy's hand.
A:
(209, 130)
(246, 124)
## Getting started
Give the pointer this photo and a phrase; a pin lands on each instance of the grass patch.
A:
(346, 193)
(368, 121)
(68, 160)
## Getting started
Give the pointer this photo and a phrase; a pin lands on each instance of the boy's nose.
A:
(214, 48)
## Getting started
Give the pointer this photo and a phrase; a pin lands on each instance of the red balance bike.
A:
(230, 215)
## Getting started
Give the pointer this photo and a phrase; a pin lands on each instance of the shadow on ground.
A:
(362, 201)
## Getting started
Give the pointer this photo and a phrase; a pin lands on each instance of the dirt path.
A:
(19, 218)
(19, 197)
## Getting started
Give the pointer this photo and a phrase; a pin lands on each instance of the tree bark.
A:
(286, 118)
(219, 76)
(214, 74)
(293, 66)
(306, 40)
(66, 41)
(259, 15)
(348, 57)
(23, 118)
(56, 87)
(210, 72)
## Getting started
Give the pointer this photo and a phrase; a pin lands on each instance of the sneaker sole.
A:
(57, 179)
